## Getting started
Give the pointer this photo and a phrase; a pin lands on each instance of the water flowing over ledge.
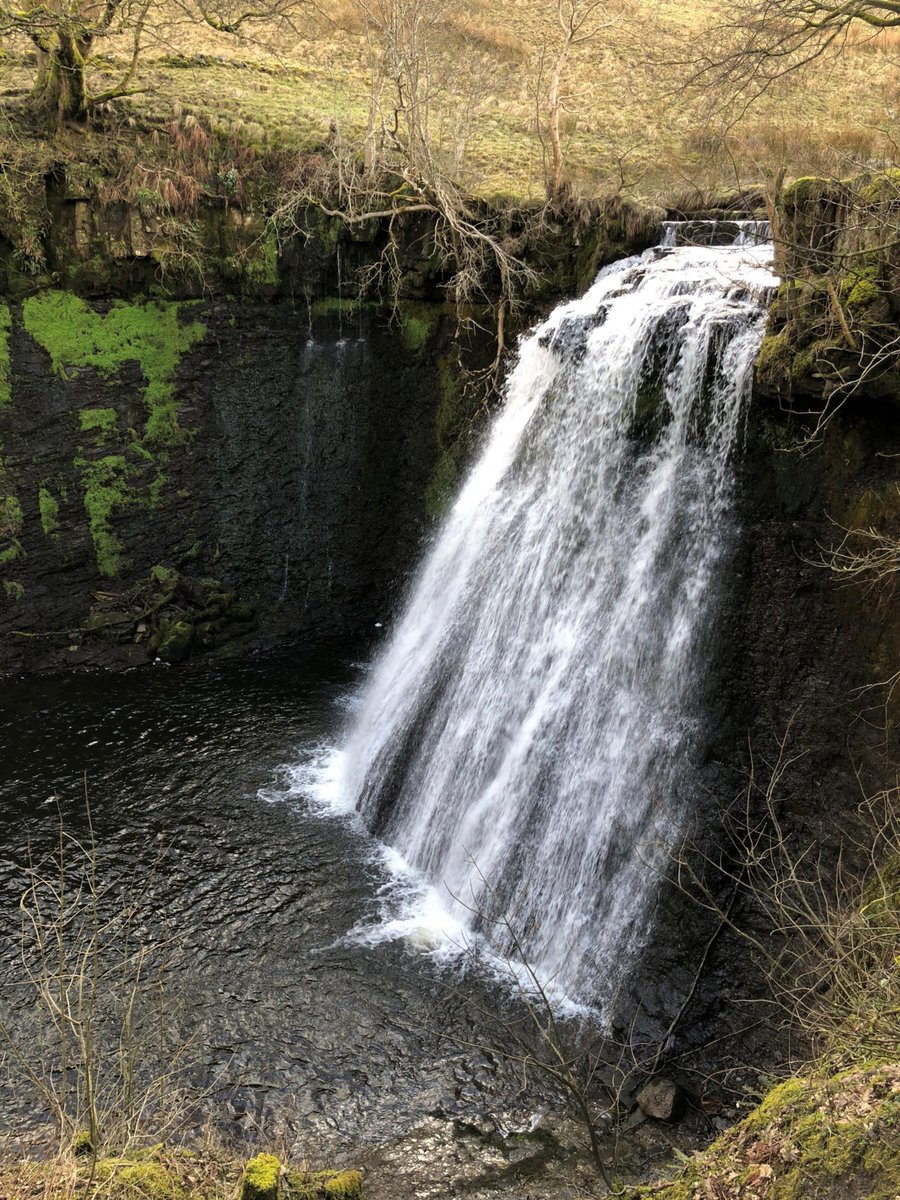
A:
(526, 740)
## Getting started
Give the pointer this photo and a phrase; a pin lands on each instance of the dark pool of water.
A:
(306, 1034)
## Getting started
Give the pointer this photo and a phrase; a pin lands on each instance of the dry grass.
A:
(627, 125)
(206, 1171)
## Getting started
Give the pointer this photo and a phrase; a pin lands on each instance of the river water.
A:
(302, 1031)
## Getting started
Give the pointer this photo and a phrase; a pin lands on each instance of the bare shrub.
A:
(89, 1022)
(823, 924)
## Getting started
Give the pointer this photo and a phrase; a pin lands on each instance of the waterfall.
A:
(535, 720)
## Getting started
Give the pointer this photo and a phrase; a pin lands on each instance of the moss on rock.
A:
(418, 322)
(811, 1137)
(173, 641)
(152, 334)
(48, 506)
(861, 288)
(82, 1144)
(106, 492)
(11, 522)
(136, 1176)
(454, 416)
(101, 419)
(808, 190)
(346, 1184)
(324, 1185)
(262, 1176)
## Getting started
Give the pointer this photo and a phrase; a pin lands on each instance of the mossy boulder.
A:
(262, 1177)
(82, 1144)
(811, 1138)
(137, 1176)
(324, 1185)
(173, 641)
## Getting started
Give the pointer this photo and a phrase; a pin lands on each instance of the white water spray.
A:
(535, 719)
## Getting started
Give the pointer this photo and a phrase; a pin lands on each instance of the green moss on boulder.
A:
(82, 1144)
(262, 1176)
(346, 1184)
(324, 1185)
(810, 1138)
(172, 643)
(861, 288)
(139, 1175)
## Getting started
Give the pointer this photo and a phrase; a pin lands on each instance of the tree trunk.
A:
(60, 90)
(553, 103)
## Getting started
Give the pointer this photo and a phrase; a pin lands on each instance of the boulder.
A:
(661, 1099)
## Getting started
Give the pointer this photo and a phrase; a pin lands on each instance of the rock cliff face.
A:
(177, 475)
(808, 654)
(207, 437)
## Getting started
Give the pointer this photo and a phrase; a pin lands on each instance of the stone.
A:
(661, 1099)
(262, 1178)
(174, 642)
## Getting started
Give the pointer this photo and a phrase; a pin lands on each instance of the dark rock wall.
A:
(205, 435)
(292, 497)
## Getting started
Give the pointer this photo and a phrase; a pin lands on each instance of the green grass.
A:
(627, 125)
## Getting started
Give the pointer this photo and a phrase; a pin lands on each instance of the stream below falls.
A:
(293, 1027)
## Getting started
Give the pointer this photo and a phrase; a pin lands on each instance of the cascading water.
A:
(534, 721)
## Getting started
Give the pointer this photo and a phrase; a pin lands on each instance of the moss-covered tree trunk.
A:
(60, 90)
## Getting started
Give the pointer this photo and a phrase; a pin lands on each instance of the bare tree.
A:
(402, 168)
(580, 21)
(758, 42)
(823, 925)
(88, 1022)
(65, 34)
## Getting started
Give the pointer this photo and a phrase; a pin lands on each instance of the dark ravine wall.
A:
(835, 317)
(804, 658)
(280, 481)
(210, 448)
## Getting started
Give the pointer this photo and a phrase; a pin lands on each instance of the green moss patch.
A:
(811, 1137)
(48, 507)
(417, 326)
(262, 264)
(860, 288)
(454, 418)
(262, 1176)
(151, 334)
(11, 522)
(139, 1176)
(102, 419)
(106, 491)
(324, 1185)
(807, 191)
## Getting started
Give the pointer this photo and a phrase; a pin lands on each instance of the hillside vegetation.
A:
(628, 123)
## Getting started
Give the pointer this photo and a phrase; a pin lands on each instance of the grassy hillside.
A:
(628, 123)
